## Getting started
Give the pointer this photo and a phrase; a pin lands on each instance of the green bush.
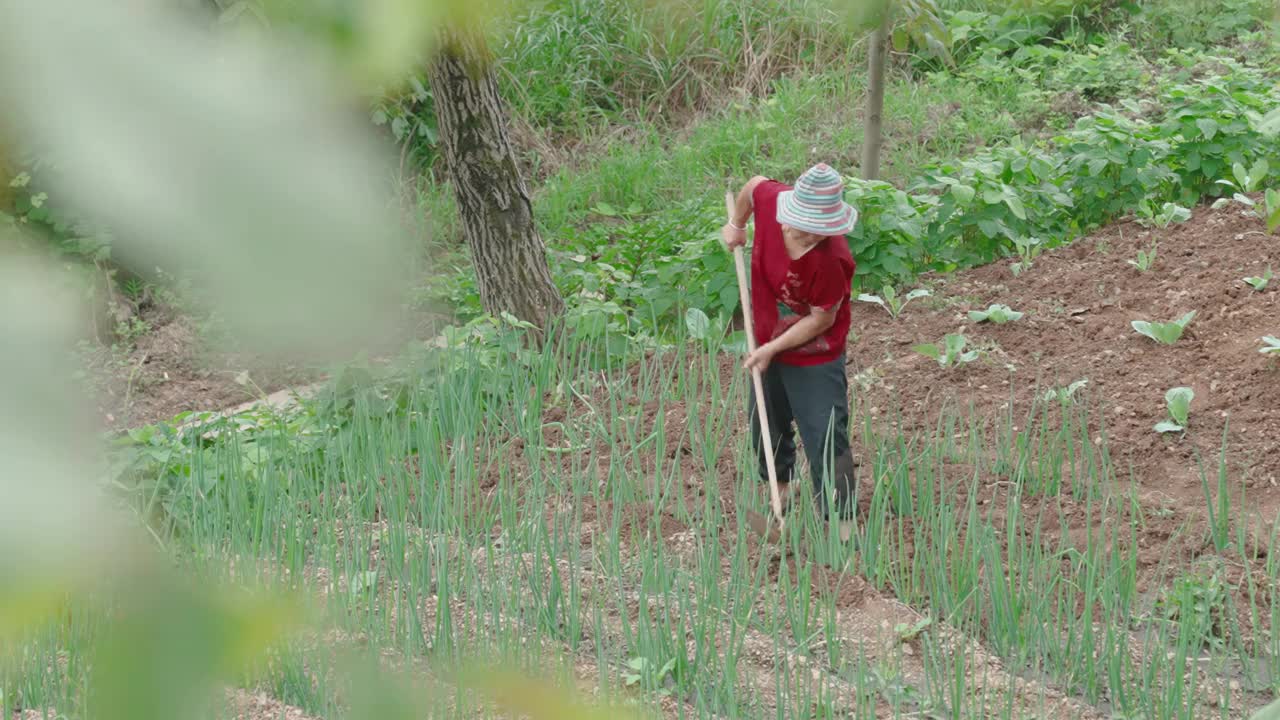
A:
(960, 214)
(1215, 124)
(1115, 163)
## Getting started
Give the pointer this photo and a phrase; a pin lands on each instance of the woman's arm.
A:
(735, 231)
(807, 328)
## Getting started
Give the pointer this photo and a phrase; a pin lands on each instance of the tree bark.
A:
(497, 216)
(872, 135)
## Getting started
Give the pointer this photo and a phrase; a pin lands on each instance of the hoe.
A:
(758, 523)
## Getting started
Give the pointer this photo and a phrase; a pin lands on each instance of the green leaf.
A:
(928, 350)
(963, 194)
(729, 298)
(901, 40)
(1173, 213)
(1259, 171)
(1241, 176)
(864, 297)
(604, 208)
(998, 314)
(1260, 283)
(989, 228)
(1273, 209)
(1272, 346)
(1167, 427)
(736, 343)
(1163, 333)
(1208, 126)
(1178, 401)
(1015, 204)
(697, 322)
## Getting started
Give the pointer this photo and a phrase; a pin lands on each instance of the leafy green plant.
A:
(907, 632)
(1272, 217)
(408, 115)
(996, 313)
(1028, 249)
(1168, 214)
(1145, 259)
(891, 238)
(1247, 181)
(1260, 283)
(1196, 601)
(712, 332)
(1178, 403)
(659, 678)
(889, 300)
(952, 352)
(1270, 345)
(1009, 199)
(1115, 164)
(1064, 395)
(1165, 333)
(1210, 124)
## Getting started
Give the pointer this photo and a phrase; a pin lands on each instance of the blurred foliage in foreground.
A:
(241, 165)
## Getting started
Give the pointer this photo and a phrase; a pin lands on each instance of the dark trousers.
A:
(816, 400)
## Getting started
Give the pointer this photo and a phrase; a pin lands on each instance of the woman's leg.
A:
(780, 431)
(819, 400)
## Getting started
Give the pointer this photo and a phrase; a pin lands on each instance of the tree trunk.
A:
(497, 216)
(876, 61)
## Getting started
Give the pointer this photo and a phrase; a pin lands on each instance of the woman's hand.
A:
(734, 237)
(760, 359)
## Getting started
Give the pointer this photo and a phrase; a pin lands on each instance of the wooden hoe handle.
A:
(745, 297)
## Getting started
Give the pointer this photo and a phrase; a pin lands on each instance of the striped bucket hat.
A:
(817, 203)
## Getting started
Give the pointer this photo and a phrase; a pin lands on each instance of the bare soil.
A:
(167, 370)
(1078, 303)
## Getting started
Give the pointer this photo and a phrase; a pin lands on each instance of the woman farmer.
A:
(801, 280)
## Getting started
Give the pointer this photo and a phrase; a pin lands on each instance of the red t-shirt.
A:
(783, 290)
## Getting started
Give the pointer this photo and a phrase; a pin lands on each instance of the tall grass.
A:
(588, 523)
(568, 63)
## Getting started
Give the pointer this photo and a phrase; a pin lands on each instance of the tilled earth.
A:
(1078, 303)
